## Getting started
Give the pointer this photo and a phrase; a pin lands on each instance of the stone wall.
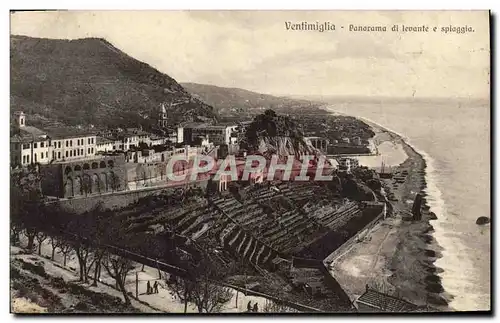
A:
(346, 245)
(117, 200)
(84, 177)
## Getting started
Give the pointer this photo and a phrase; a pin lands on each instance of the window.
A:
(42, 144)
(53, 155)
(58, 154)
(92, 141)
(66, 154)
(71, 143)
(91, 150)
(71, 153)
(78, 152)
(24, 159)
(35, 158)
(81, 152)
(88, 150)
(22, 121)
(88, 141)
(41, 155)
(59, 144)
(26, 146)
(35, 145)
(28, 159)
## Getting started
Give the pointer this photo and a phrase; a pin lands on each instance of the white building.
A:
(105, 144)
(31, 145)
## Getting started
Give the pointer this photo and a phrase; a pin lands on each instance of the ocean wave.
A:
(459, 276)
(436, 205)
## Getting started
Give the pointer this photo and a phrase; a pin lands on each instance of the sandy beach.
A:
(397, 256)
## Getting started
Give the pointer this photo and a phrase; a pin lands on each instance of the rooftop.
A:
(68, 132)
(102, 141)
(33, 131)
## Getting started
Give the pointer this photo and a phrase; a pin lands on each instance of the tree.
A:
(180, 288)
(15, 231)
(40, 238)
(199, 288)
(26, 202)
(98, 255)
(54, 243)
(209, 297)
(83, 251)
(65, 248)
(118, 268)
(31, 233)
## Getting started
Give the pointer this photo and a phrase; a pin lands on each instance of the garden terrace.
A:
(299, 192)
(260, 192)
(347, 222)
(333, 216)
(284, 230)
(240, 241)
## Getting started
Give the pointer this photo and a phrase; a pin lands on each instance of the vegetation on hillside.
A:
(89, 81)
(273, 133)
(234, 102)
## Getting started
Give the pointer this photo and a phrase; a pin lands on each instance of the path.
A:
(161, 302)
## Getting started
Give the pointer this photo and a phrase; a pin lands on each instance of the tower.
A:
(21, 118)
(162, 118)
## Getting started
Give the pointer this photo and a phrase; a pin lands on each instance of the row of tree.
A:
(88, 237)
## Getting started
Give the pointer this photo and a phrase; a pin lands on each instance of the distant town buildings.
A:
(318, 143)
(347, 164)
(31, 145)
(195, 133)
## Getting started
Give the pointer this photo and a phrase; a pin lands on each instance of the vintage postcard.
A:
(250, 162)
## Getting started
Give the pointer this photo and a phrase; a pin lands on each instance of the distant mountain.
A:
(239, 102)
(89, 81)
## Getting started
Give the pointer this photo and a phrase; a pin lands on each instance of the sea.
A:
(453, 136)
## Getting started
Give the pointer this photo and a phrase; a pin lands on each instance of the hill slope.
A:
(239, 102)
(88, 81)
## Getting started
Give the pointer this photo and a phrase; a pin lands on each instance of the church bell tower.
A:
(162, 118)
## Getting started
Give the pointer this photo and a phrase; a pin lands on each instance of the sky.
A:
(253, 50)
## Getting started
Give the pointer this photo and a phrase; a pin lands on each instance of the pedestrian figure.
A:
(148, 288)
(249, 306)
(155, 286)
(255, 307)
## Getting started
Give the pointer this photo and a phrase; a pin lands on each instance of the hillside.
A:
(89, 81)
(232, 102)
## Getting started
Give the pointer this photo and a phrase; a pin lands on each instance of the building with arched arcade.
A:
(99, 175)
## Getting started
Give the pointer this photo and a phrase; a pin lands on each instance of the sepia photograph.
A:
(250, 162)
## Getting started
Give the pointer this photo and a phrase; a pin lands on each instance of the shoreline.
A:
(399, 256)
(416, 240)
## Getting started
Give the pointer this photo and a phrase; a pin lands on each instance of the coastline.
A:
(398, 255)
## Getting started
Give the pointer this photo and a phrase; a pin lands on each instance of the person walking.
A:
(249, 306)
(255, 307)
(155, 286)
(148, 288)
